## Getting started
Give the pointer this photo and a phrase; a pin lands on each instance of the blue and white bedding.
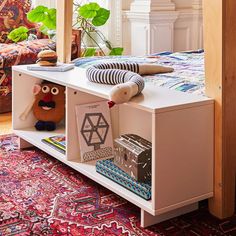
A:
(188, 75)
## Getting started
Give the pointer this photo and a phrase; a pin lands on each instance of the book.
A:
(60, 67)
(58, 142)
(113, 172)
(94, 131)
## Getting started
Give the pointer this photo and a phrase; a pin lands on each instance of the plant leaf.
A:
(38, 14)
(89, 10)
(18, 34)
(116, 51)
(50, 20)
(89, 52)
(101, 17)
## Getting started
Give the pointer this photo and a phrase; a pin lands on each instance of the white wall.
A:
(126, 4)
(48, 3)
(177, 30)
(188, 31)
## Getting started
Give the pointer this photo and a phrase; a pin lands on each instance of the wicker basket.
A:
(5, 103)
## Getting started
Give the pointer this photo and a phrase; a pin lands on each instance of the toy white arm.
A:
(27, 110)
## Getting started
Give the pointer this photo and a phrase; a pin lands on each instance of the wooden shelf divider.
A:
(220, 64)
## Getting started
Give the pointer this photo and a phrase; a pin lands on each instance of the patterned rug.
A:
(41, 196)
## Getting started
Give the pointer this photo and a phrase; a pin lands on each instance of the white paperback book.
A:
(60, 67)
(94, 131)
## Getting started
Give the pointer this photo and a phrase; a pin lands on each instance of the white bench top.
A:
(154, 99)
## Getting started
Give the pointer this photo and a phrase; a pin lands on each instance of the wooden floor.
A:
(5, 123)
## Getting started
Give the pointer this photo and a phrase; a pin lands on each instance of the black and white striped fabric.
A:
(116, 73)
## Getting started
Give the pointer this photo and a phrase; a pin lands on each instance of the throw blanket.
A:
(188, 75)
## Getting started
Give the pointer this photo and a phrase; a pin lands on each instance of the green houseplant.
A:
(90, 16)
(45, 18)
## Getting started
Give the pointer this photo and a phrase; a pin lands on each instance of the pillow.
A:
(12, 15)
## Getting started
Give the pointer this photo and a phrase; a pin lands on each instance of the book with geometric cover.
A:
(94, 131)
(110, 170)
(58, 142)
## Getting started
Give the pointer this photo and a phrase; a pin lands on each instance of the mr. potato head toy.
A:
(48, 105)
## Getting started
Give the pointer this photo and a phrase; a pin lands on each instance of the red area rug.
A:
(41, 196)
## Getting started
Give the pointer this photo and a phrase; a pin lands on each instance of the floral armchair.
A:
(12, 15)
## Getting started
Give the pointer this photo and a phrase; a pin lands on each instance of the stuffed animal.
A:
(47, 58)
(49, 105)
(126, 76)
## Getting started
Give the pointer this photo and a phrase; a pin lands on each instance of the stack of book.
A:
(58, 142)
(113, 172)
(131, 165)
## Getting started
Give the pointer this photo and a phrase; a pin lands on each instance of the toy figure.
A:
(126, 76)
(49, 105)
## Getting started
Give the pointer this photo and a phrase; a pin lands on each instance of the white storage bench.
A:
(179, 125)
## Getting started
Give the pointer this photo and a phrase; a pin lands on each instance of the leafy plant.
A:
(46, 17)
(89, 17)
(18, 34)
(95, 13)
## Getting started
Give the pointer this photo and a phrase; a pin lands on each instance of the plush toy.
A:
(47, 58)
(49, 105)
(126, 76)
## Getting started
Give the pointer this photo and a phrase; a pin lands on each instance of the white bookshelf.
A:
(179, 125)
(88, 169)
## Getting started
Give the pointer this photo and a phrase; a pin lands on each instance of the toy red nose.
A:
(47, 97)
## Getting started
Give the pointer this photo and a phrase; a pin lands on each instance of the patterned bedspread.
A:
(22, 53)
(188, 75)
(15, 54)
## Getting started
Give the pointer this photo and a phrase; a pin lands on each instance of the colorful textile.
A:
(41, 196)
(188, 75)
(13, 15)
(22, 53)
(19, 53)
(5, 81)
(110, 170)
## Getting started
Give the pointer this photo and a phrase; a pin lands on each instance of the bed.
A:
(188, 75)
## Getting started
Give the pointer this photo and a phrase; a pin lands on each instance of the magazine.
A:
(60, 67)
(94, 131)
(57, 142)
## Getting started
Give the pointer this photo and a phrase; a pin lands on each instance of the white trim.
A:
(155, 30)
(48, 3)
(115, 23)
(152, 5)
(162, 30)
